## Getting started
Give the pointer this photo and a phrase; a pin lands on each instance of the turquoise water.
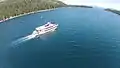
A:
(85, 38)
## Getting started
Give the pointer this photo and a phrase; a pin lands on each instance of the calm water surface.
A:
(85, 38)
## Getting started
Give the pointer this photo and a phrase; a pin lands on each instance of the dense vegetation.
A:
(83, 6)
(114, 11)
(15, 7)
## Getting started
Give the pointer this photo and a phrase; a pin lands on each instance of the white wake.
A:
(29, 37)
(23, 39)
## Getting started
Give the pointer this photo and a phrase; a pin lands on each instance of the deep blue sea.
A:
(85, 38)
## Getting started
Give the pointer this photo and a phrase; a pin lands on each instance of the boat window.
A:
(46, 25)
(37, 30)
(53, 22)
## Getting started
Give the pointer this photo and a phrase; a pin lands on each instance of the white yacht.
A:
(49, 27)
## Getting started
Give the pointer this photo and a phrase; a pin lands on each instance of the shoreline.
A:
(33, 12)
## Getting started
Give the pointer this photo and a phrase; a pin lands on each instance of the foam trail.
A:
(21, 40)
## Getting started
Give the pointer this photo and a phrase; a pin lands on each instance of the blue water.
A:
(85, 38)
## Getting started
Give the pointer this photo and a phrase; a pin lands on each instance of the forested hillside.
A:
(114, 11)
(15, 7)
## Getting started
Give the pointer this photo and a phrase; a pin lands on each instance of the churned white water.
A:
(23, 39)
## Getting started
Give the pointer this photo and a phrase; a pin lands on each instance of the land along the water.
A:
(83, 6)
(16, 8)
(9, 8)
(113, 10)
